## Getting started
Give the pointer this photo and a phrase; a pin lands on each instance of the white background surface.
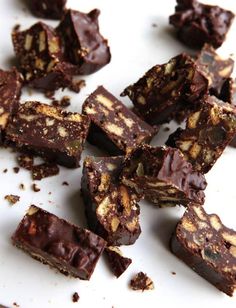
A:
(136, 46)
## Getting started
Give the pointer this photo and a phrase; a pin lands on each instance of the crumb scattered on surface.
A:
(44, 170)
(154, 25)
(49, 94)
(173, 273)
(16, 169)
(35, 188)
(75, 297)
(5, 170)
(63, 103)
(141, 282)
(77, 85)
(12, 199)
(65, 183)
(22, 186)
(15, 304)
(25, 161)
(166, 129)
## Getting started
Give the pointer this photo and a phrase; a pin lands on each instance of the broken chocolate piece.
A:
(39, 52)
(45, 170)
(25, 161)
(118, 263)
(84, 45)
(62, 103)
(70, 249)
(50, 132)
(197, 23)
(10, 91)
(114, 127)
(163, 175)
(75, 297)
(12, 199)
(168, 89)
(207, 246)
(208, 131)
(111, 208)
(51, 9)
(35, 188)
(141, 282)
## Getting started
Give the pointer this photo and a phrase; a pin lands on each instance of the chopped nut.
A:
(115, 223)
(12, 199)
(188, 225)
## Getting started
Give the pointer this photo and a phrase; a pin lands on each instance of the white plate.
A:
(136, 46)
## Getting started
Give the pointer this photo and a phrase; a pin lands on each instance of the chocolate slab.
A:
(111, 208)
(84, 46)
(208, 131)
(51, 9)
(50, 132)
(70, 249)
(207, 247)
(10, 91)
(114, 128)
(197, 23)
(168, 89)
(163, 175)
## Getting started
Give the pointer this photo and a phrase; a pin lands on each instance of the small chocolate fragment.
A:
(10, 91)
(207, 246)
(216, 69)
(51, 9)
(35, 188)
(45, 170)
(77, 85)
(5, 170)
(118, 263)
(56, 135)
(42, 64)
(84, 45)
(12, 199)
(168, 89)
(114, 127)
(75, 297)
(25, 161)
(70, 249)
(141, 282)
(22, 186)
(164, 176)
(208, 131)
(65, 183)
(16, 169)
(111, 208)
(197, 23)
(62, 103)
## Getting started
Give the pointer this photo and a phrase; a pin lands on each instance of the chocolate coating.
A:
(48, 131)
(51, 9)
(163, 175)
(84, 46)
(72, 250)
(111, 208)
(197, 23)
(207, 246)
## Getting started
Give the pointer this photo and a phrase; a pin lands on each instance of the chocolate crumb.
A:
(154, 25)
(141, 282)
(166, 129)
(12, 199)
(44, 170)
(49, 94)
(16, 169)
(75, 297)
(16, 28)
(35, 188)
(15, 304)
(65, 183)
(5, 170)
(22, 186)
(25, 161)
(63, 103)
(173, 273)
(76, 86)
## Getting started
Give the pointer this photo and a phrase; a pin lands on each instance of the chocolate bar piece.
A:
(39, 52)
(114, 127)
(207, 246)
(51, 9)
(72, 250)
(118, 263)
(216, 69)
(197, 23)
(111, 208)
(208, 131)
(10, 91)
(84, 46)
(163, 175)
(167, 89)
(50, 132)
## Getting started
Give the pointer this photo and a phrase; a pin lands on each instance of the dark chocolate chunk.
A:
(111, 208)
(39, 52)
(168, 89)
(84, 45)
(35, 188)
(207, 246)
(16, 169)
(50, 132)
(10, 91)
(70, 249)
(141, 282)
(118, 263)
(208, 131)
(12, 199)
(216, 69)
(75, 297)
(45, 170)
(114, 127)
(163, 175)
(51, 9)
(199, 23)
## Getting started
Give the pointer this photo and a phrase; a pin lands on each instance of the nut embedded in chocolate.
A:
(207, 246)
